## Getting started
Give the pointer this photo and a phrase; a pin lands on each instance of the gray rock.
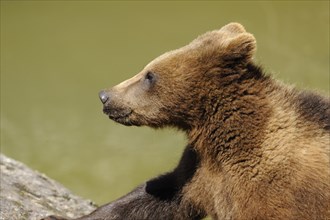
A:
(27, 194)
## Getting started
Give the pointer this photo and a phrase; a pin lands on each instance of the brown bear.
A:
(257, 149)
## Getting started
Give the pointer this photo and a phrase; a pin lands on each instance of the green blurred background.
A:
(57, 55)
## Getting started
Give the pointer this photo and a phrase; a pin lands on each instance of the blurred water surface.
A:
(57, 55)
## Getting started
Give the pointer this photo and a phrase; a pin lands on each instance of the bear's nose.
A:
(103, 96)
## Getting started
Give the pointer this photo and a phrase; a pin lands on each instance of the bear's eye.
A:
(150, 78)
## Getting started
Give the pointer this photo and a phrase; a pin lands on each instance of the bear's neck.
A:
(234, 122)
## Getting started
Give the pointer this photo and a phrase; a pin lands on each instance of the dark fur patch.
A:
(315, 108)
(165, 187)
(159, 198)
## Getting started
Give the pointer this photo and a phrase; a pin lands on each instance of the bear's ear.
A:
(235, 43)
(242, 46)
(233, 28)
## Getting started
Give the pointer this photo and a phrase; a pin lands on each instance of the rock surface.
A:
(27, 194)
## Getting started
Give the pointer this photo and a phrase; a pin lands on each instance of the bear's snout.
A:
(104, 97)
(115, 111)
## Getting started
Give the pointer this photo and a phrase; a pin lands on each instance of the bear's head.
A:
(181, 87)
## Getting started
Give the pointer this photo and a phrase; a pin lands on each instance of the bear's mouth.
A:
(119, 115)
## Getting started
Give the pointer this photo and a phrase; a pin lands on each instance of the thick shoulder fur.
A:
(269, 137)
